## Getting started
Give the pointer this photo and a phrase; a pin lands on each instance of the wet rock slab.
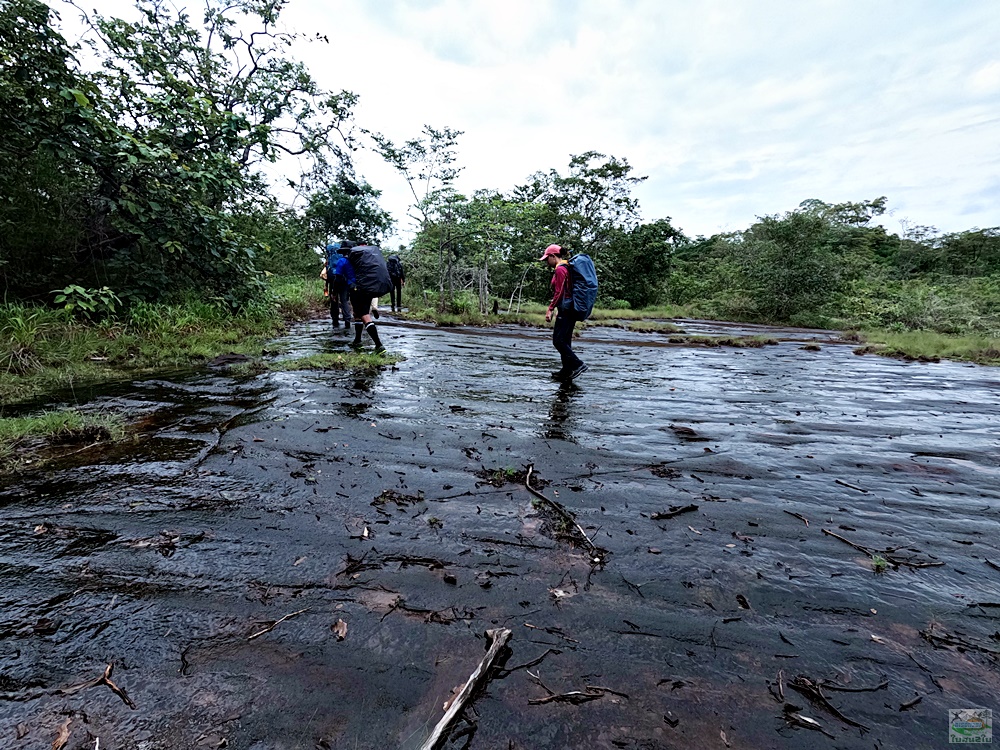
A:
(300, 500)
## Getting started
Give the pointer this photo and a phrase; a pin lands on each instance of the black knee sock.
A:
(358, 328)
(373, 332)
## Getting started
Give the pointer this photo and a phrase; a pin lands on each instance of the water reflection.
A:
(561, 413)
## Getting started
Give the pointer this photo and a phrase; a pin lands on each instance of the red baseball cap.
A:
(551, 250)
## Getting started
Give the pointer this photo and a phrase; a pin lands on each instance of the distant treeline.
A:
(141, 182)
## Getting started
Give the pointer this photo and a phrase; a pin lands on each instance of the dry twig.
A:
(597, 553)
(499, 638)
(104, 679)
(275, 624)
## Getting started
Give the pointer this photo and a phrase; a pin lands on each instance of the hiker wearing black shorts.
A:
(566, 317)
(371, 281)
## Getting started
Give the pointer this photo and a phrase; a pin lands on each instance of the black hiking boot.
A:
(373, 332)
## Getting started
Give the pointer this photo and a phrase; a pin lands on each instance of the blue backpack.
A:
(332, 254)
(583, 278)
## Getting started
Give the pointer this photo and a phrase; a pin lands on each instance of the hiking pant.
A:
(396, 295)
(340, 301)
(562, 339)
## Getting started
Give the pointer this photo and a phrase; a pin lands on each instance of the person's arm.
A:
(559, 286)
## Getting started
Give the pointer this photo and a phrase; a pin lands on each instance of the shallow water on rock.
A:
(329, 496)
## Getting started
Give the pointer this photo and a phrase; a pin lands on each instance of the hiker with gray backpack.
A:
(371, 281)
(574, 291)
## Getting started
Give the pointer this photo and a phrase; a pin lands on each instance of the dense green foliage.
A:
(143, 176)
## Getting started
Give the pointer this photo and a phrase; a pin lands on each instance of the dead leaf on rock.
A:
(451, 698)
(340, 630)
(63, 737)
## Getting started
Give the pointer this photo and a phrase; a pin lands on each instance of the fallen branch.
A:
(574, 696)
(499, 638)
(794, 718)
(947, 639)
(858, 547)
(597, 553)
(843, 689)
(104, 679)
(674, 511)
(276, 623)
(799, 516)
(814, 692)
(534, 662)
(851, 486)
(888, 554)
(557, 632)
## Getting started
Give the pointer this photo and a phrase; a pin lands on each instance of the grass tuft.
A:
(22, 438)
(928, 346)
(354, 361)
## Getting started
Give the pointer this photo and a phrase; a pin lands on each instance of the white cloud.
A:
(733, 109)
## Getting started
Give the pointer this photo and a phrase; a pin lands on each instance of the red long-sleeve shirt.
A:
(560, 285)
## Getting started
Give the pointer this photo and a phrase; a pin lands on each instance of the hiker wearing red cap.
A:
(562, 304)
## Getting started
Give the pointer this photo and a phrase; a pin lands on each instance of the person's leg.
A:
(360, 303)
(396, 295)
(562, 339)
(364, 302)
(331, 290)
(345, 303)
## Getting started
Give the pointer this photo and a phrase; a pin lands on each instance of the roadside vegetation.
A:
(45, 350)
(928, 346)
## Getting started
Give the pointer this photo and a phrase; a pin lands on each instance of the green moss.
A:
(22, 438)
(357, 361)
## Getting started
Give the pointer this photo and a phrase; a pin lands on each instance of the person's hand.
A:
(548, 316)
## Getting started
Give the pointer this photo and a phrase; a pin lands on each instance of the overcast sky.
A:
(733, 108)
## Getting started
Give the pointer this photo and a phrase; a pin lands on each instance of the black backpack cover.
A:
(395, 266)
(370, 272)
